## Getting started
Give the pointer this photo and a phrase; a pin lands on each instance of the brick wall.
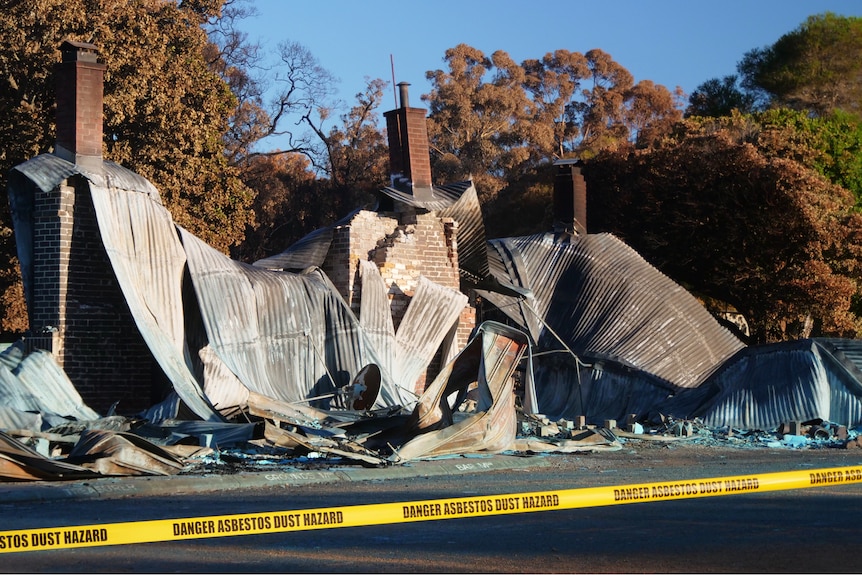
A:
(404, 246)
(79, 312)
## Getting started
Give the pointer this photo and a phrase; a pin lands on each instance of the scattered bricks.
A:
(841, 433)
(610, 424)
(855, 443)
(794, 428)
(549, 430)
(566, 425)
(581, 422)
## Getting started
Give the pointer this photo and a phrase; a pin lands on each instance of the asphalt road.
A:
(798, 531)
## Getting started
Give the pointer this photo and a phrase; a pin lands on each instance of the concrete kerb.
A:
(118, 487)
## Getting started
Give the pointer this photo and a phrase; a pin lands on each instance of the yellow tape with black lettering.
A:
(401, 512)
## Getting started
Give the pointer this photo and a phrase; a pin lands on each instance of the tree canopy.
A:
(498, 121)
(816, 68)
(165, 110)
(753, 200)
(719, 208)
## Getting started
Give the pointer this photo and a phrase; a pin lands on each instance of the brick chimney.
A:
(570, 197)
(409, 153)
(79, 81)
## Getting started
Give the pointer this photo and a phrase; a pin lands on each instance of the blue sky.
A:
(671, 42)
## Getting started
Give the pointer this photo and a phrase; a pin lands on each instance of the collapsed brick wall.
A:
(79, 312)
(404, 246)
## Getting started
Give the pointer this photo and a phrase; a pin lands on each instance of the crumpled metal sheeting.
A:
(12, 418)
(441, 196)
(19, 462)
(121, 453)
(377, 326)
(221, 434)
(597, 389)
(600, 297)
(284, 335)
(472, 246)
(308, 251)
(489, 360)
(430, 317)
(35, 383)
(140, 238)
(763, 387)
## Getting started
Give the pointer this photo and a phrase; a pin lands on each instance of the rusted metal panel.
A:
(19, 462)
(121, 453)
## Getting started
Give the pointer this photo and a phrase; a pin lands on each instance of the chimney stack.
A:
(79, 82)
(570, 197)
(409, 152)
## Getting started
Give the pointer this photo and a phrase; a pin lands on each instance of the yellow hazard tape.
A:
(402, 512)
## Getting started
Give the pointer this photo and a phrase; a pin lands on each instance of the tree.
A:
(357, 151)
(817, 67)
(830, 145)
(503, 123)
(719, 97)
(720, 210)
(470, 124)
(165, 110)
(284, 206)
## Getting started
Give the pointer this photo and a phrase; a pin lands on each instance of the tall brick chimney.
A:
(409, 153)
(570, 197)
(79, 81)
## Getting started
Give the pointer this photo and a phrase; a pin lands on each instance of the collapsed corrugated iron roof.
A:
(625, 338)
(762, 387)
(284, 335)
(615, 337)
(602, 299)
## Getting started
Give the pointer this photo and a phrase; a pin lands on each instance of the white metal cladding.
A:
(36, 384)
(431, 316)
(374, 316)
(600, 297)
(148, 261)
(284, 335)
